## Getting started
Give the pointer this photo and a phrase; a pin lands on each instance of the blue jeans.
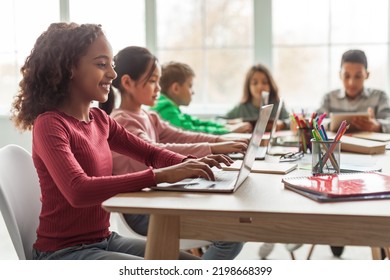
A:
(218, 250)
(115, 247)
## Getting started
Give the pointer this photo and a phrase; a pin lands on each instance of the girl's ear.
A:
(127, 82)
(72, 71)
(368, 75)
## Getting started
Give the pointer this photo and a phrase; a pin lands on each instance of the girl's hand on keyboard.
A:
(228, 147)
(191, 168)
(215, 160)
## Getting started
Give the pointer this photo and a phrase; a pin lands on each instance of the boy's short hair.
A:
(354, 56)
(174, 72)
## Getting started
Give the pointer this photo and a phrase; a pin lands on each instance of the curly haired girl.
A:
(70, 66)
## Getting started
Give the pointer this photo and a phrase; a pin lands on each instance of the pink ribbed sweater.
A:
(150, 127)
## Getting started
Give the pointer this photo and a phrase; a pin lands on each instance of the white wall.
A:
(10, 135)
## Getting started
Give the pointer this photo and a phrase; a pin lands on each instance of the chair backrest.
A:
(19, 198)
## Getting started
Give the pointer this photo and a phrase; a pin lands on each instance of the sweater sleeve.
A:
(285, 117)
(325, 104)
(383, 112)
(56, 162)
(126, 143)
(180, 141)
(166, 136)
(233, 113)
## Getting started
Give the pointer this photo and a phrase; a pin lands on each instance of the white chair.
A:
(19, 198)
(20, 202)
(119, 225)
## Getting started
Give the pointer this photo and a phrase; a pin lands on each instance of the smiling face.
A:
(353, 76)
(92, 77)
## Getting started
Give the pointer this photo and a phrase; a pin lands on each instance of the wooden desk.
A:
(261, 210)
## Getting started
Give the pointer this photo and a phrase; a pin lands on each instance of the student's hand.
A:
(215, 160)
(234, 121)
(270, 123)
(227, 139)
(191, 168)
(228, 147)
(242, 127)
(280, 125)
(364, 124)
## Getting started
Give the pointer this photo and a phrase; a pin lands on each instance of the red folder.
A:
(341, 187)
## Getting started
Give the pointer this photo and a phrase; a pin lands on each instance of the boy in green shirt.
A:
(176, 90)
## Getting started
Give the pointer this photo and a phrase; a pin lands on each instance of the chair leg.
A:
(310, 252)
(387, 252)
(291, 247)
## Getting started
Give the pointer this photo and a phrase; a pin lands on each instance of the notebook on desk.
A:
(362, 146)
(226, 181)
(341, 187)
(375, 136)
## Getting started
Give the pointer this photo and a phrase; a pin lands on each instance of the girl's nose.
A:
(112, 74)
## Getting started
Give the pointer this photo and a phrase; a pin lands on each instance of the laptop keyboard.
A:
(260, 154)
(224, 176)
(221, 176)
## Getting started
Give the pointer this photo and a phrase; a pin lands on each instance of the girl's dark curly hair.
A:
(47, 71)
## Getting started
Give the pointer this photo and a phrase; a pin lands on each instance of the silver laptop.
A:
(269, 149)
(264, 150)
(227, 181)
(277, 150)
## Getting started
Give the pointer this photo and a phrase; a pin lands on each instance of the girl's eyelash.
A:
(103, 64)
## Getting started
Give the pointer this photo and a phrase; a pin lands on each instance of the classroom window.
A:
(309, 38)
(123, 21)
(124, 26)
(19, 29)
(215, 38)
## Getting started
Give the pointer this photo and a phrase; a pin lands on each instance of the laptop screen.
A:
(275, 123)
(254, 143)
